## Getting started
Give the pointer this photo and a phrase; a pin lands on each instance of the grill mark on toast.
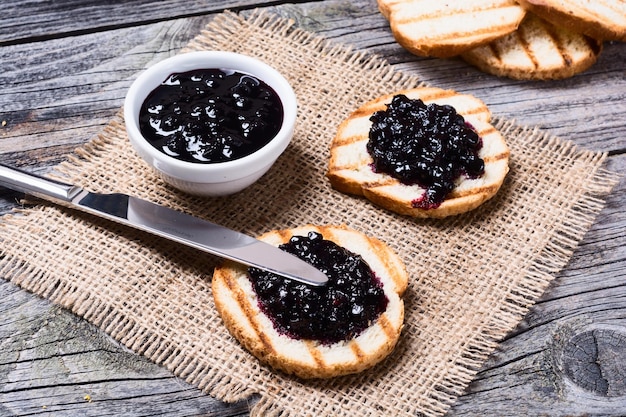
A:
(561, 47)
(476, 111)
(521, 36)
(323, 230)
(495, 158)
(485, 131)
(381, 103)
(487, 189)
(315, 353)
(380, 248)
(349, 140)
(479, 35)
(427, 96)
(495, 52)
(368, 110)
(285, 235)
(381, 182)
(387, 327)
(350, 167)
(243, 302)
(356, 350)
(443, 13)
(437, 95)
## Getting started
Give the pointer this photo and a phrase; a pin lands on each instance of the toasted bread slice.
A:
(599, 19)
(350, 169)
(237, 304)
(537, 50)
(445, 29)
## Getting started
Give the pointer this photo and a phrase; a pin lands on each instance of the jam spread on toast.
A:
(210, 115)
(350, 302)
(428, 145)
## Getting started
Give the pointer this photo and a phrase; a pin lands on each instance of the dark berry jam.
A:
(428, 145)
(350, 302)
(210, 115)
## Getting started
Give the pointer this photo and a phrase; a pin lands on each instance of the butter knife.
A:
(167, 223)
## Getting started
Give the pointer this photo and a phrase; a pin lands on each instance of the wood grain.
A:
(64, 72)
(52, 361)
(39, 20)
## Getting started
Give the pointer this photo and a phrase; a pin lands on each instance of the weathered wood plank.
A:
(579, 322)
(22, 21)
(53, 362)
(62, 92)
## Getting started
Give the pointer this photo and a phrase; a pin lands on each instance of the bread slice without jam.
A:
(445, 29)
(599, 19)
(537, 50)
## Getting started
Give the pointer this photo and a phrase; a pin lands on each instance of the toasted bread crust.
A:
(349, 169)
(236, 303)
(599, 19)
(488, 33)
(538, 50)
(445, 29)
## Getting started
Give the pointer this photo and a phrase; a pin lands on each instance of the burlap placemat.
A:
(473, 277)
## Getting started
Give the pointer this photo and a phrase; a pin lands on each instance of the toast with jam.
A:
(445, 29)
(422, 152)
(537, 50)
(346, 326)
(598, 19)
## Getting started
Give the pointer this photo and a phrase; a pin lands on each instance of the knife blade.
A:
(167, 223)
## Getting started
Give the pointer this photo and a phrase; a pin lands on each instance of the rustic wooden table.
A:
(64, 72)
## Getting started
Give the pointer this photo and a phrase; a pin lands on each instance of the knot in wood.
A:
(596, 361)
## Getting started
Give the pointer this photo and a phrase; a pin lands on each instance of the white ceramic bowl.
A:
(214, 179)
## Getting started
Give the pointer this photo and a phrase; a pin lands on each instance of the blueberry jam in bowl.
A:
(210, 123)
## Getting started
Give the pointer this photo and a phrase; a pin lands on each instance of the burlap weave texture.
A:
(473, 277)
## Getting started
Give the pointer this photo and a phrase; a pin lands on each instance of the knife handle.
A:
(35, 185)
